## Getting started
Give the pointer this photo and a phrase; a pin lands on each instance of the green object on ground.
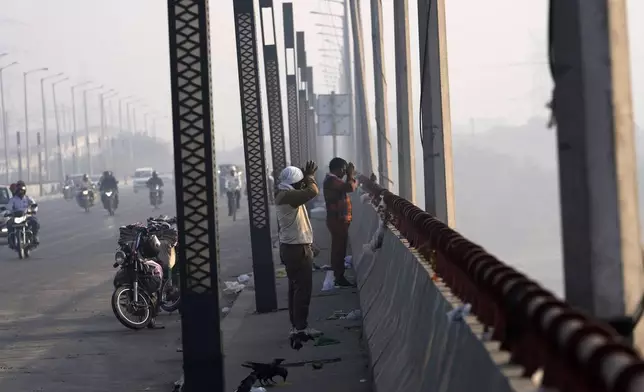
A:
(324, 341)
(280, 273)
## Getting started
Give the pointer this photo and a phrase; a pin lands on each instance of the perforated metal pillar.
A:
(303, 104)
(273, 89)
(291, 83)
(196, 194)
(304, 126)
(251, 107)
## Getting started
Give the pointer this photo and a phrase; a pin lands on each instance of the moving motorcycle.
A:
(109, 200)
(155, 196)
(84, 199)
(68, 192)
(138, 282)
(21, 238)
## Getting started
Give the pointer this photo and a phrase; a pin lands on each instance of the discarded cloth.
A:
(459, 313)
(233, 287)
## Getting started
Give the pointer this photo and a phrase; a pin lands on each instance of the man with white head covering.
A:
(297, 187)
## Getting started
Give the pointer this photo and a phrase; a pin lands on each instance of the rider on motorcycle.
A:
(154, 181)
(233, 189)
(21, 202)
(86, 183)
(109, 183)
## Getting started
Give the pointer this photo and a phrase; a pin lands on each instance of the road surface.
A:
(57, 329)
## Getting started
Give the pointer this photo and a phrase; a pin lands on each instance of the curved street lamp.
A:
(28, 151)
(4, 119)
(44, 119)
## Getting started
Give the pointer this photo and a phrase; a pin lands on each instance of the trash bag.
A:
(348, 262)
(329, 281)
(243, 279)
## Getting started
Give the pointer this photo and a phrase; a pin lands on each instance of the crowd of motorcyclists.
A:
(108, 184)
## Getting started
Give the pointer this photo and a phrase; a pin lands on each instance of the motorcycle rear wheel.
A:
(144, 305)
(168, 305)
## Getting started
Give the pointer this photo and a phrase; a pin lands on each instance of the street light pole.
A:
(44, 120)
(4, 121)
(101, 138)
(74, 128)
(87, 141)
(28, 151)
(61, 168)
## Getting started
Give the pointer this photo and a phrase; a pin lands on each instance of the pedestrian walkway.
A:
(261, 338)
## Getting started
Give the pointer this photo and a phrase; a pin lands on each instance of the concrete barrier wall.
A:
(412, 344)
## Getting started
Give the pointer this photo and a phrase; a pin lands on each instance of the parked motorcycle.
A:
(155, 196)
(141, 269)
(138, 282)
(21, 238)
(109, 201)
(84, 199)
(68, 192)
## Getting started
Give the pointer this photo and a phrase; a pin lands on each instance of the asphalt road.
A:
(57, 329)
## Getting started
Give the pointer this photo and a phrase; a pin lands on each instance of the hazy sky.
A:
(497, 62)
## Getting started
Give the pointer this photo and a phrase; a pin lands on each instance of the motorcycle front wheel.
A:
(20, 248)
(133, 314)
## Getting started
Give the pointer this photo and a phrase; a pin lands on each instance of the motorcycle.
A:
(138, 281)
(166, 289)
(155, 196)
(21, 238)
(84, 199)
(109, 201)
(68, 192)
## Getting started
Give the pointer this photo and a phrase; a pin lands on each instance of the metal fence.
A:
(541, 332)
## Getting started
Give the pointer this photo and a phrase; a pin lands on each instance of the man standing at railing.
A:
(338, 210)
(296, 188)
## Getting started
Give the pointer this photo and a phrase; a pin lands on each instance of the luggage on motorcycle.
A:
(153, 277)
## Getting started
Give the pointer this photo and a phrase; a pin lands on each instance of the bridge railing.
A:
(541, 332)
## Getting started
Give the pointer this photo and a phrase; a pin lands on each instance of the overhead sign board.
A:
(334, 115)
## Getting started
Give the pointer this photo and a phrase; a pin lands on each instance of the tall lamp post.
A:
(87, 141)
(101, 139)
(44, 120)
(61, 167)
(5, 131)
(28, 151)
(74, 128)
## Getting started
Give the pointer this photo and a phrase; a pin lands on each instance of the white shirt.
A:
(233, 183)
(18, 204)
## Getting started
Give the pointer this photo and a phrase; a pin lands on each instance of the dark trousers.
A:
(233, 200)
(299, 270)
(339, 230)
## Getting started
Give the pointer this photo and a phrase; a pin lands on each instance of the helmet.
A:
(20, 187)
(154, 173)
(150, 247)
(106, 173)
(85, 177)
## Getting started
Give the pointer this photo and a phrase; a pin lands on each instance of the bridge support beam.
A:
(436, 126)
(597, 165)
(291, 84)
(196, 193)
(253, 133)
(380, 84)
(305, 140)
(364, 159)
(273, 87)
